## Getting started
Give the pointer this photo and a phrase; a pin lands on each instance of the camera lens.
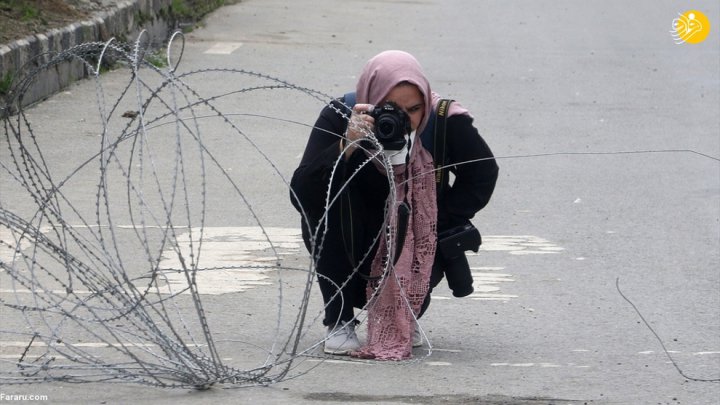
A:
(391, 126)
(386, 127)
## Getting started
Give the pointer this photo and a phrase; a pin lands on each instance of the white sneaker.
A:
(341, 339)
(417, 339)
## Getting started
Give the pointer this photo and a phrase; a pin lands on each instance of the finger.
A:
(362, 108)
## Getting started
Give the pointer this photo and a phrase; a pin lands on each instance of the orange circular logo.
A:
(691, 27)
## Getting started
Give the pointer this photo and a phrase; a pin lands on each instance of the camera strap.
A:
(438, 147)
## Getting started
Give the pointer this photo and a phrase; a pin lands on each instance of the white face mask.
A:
(399, 157)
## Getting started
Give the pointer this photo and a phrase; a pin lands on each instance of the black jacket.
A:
(470, 191)
(343, 238)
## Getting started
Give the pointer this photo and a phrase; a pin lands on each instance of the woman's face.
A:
(408, 97)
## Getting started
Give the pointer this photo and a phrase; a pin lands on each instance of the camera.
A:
(456, 241)
(391, 125)
(452, 245)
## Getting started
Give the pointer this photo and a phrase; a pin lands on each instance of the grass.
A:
(21, 18)
(24, 11)
(29, 13)
(5, 83)
(195, 10)
(157, 58)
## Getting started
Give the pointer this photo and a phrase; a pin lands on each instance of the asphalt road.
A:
(607, 135)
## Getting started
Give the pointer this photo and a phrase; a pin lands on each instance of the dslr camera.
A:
(391, 125)
(452, 245)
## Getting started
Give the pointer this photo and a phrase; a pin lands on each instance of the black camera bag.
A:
(454, 242)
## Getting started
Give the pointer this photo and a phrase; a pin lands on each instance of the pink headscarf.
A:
(395, 300)
(388, 69)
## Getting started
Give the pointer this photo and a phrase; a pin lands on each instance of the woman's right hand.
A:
(361, 123)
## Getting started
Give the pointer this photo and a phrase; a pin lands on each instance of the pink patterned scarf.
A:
(395, 298)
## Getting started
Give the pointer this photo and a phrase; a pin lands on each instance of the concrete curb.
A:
(124, 21)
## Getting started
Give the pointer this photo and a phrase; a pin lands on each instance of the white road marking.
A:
(338, 361)
(518, 245)
(20, 347)
(583, 366)
(493, 297)
(223, 48)
(486, 284)
(679, 352)
(235, 259)
(225, 250)
(11, 343)
(8, 247)
(438, 363)
(652, 351)
(55, 292)
(541, 365)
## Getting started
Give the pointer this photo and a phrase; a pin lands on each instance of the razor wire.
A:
(80, 280)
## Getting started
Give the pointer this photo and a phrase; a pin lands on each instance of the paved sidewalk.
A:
(122, 20)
